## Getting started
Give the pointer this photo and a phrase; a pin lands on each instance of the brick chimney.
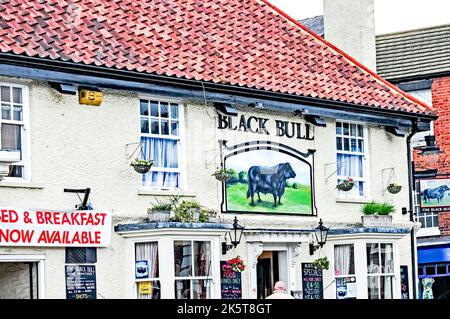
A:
(350, 25)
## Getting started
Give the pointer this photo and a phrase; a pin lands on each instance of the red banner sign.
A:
(54, 228)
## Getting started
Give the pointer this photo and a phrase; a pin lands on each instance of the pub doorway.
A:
(271, 267)
(19, 280)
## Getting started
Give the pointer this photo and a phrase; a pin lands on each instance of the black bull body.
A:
(269, 179)
(437, 193)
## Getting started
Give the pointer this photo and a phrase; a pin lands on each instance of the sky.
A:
(390, 15)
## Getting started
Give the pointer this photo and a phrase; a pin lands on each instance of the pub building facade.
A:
(292, 117)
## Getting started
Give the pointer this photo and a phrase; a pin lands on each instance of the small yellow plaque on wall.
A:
(145, 288)
(91, 97)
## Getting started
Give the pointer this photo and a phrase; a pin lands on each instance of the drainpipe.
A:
(411, 206)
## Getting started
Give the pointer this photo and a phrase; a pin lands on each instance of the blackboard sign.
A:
(81, 282)
(404, 284)
(231, 284)
(312, 281)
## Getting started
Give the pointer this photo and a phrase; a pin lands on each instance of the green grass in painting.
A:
(294, 201)
(434, 203)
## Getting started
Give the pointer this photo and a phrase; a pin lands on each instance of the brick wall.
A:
(444, 223)
(441, 103)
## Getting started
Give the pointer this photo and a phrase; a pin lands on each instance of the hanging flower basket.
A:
(322, 263)
(394, 188)
(142, 166)
(234, 265)
(223, 174)
(346, 185)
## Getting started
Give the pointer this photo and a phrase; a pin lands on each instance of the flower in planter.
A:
(346, 185)
(224, 174)
(142, 166)
(234, 265)
(322, 263)
(394, 188)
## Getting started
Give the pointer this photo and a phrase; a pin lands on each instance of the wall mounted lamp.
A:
(235, 236)
(321, 234)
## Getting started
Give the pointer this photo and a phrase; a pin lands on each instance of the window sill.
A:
(155, 192)
(353, 200)
(429, 231)
(21, 185)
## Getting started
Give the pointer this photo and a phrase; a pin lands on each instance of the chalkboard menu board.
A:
(404, 283)
(81, 282)
(231, 284)
(312, 281)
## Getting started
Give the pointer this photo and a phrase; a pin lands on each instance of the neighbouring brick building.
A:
(418, 61)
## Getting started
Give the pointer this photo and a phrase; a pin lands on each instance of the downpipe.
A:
(411, 207)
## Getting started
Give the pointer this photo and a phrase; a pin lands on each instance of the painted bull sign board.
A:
(20, 227)
(269, 178)
(435, 195)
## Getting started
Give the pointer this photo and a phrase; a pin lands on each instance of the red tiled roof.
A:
(243, 43)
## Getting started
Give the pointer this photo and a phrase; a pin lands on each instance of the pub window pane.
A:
(183, 258)
(164, 109)
(374, 287)
(182, 289)
(346, 129)
(174, 111)
(386, 287)
(5, 94)
(353, 145)
(15, 171)
(149, 252)
(6, 111)
(361, 146)
(164, 127)
(17, 114)
(346, 145)
(338, 128)
(201, 289)
(144, 125)
(17, 95)
(339, 143)
(174, 128)
(202, 258)
(154, 108)
(144, 107)
(80, 255)
(373, 260)
(353, 129)
(155, 126)
(344, 260)
(360, 130)
(11, 137)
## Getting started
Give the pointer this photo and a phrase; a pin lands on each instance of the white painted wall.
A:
(350, 25)
(78, 146)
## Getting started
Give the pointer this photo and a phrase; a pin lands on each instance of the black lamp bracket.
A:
(85, 191)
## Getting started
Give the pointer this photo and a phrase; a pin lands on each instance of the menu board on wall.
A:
(312, 281)
(404, 284)
(81, 282)
(231, 285)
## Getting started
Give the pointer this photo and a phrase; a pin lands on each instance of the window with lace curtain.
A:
(147, 271)
(344, 264)
(12, 123)
(380, 270)
(160, 142)
(351, 152)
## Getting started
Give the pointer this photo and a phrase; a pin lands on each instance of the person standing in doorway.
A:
(279, 292)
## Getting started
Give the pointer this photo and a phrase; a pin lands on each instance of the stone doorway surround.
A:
(288, 240)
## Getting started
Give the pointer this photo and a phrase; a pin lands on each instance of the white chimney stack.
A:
(350, 25)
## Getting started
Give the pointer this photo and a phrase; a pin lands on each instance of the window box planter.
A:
(376, 220)
(159, 215)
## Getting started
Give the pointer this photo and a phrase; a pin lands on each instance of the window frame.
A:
(25, 133)
(193, 277)
(393, 274)
(181, 170)
(365, 154)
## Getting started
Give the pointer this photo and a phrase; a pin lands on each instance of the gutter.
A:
(40, 64)
(411, 207)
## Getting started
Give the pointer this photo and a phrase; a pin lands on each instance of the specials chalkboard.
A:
(312, 281)
(231, 284)
(81, 282)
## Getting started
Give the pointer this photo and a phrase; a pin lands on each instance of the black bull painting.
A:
(434, 193)
(269, 180)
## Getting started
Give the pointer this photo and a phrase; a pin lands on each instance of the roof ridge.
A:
(349, 58)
